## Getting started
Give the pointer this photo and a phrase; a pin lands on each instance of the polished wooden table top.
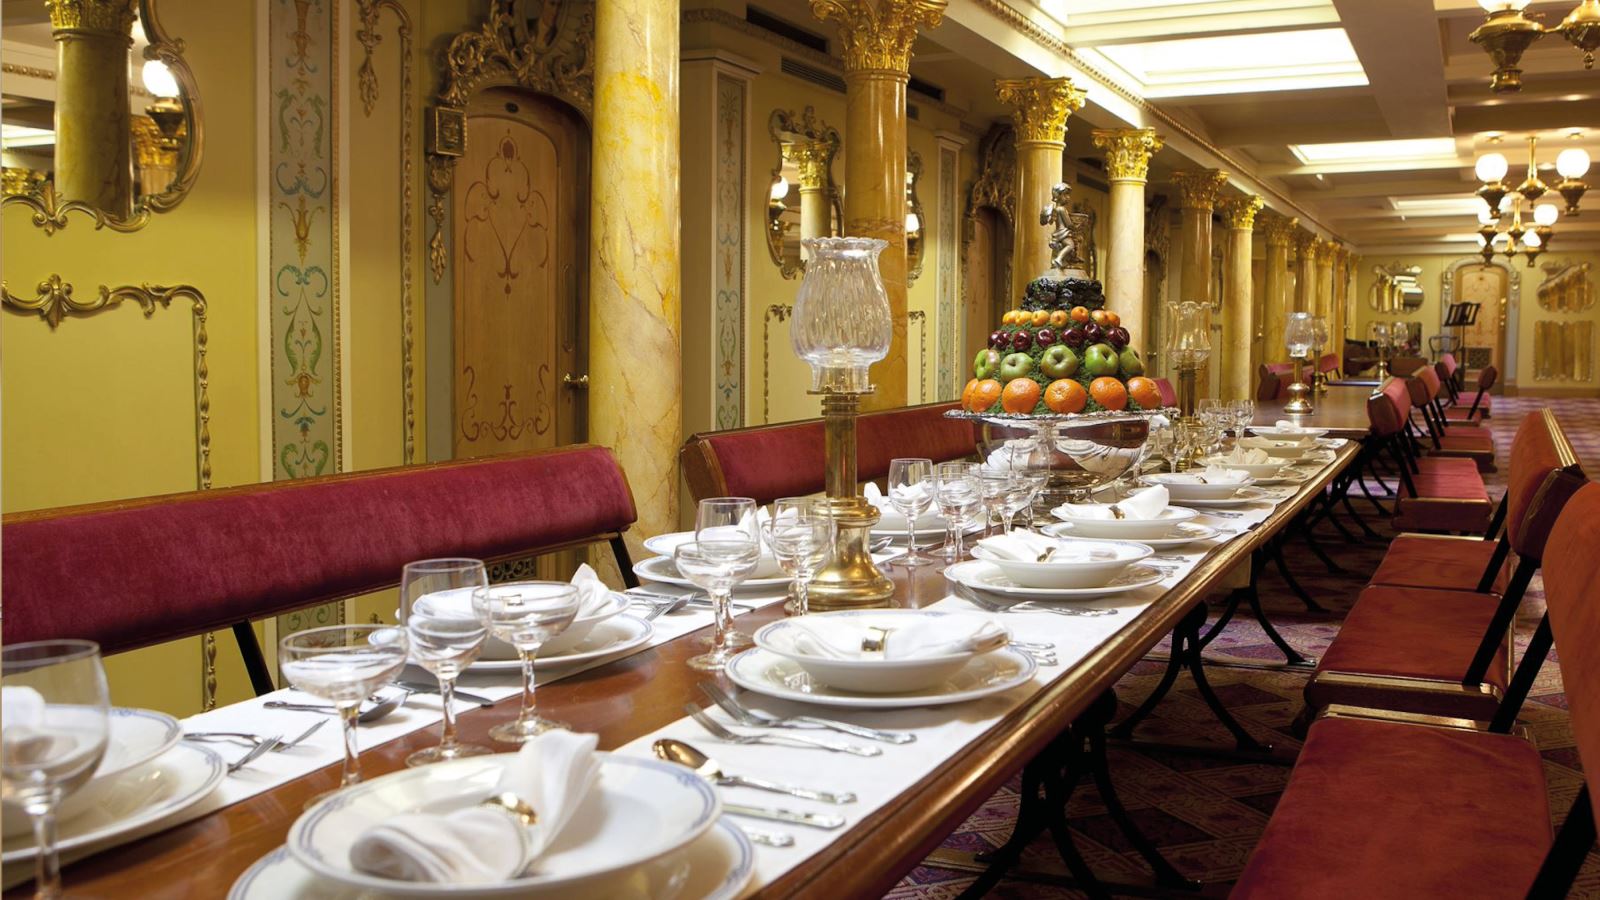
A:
(636, 695)
(1342, 410)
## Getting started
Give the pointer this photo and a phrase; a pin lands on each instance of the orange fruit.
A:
(1009, 317)
(1020, 396)
(1099, 316)
(1065, 396)
(1041, 318)
(966, 395)
(984, 395)
(1080, 314)
(1060, 318)
(1113, 319)
(1144, 392)
(1109, 392)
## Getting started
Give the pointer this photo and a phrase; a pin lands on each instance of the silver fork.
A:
(755, 717)
(275, 742)
(987, 605)
(255, 753)
(723, 734)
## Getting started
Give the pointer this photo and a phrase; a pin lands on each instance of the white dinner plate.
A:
(922, 532)
(1127, 529)
(716, 866)
(1181, 533)
(765, 672)
(1240, 498)
(617, 634)
(639, 811)
(662, 570)
(664, 545)
(135, 803)
(1288, 476)
(986, 576)
(1273, 431)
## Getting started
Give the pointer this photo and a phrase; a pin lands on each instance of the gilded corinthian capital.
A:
(1327, 252)
(1040, 106)
(811, 158)
(877, 36)
(1198, 190)
(1128, 152)
(107, 16)
(1278, 230)
(1239, 212)
(1305, 244)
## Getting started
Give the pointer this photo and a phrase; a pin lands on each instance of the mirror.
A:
(916, 221)
(1396, 289)
(802, 198)
(68, 146)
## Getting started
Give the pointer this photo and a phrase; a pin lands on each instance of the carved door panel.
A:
(521, 204)
(1483, 342)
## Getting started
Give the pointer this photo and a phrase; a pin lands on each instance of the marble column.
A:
(1128, 152)
(1238, 331)
(1305, 272)
(1326, 251)
(1278, 233)
(1197, 197)
(811, 159)
(92, 115)
(876, 38)
(635, 320)
(1039, 110)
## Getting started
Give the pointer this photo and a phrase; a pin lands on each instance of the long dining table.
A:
(632, 697)
(1342, 409)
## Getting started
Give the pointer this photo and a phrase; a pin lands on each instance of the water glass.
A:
(801, 544)
(526, 614)
(909, 494)
(1244, 412)
(344, 664)
(446, 637)
(956, 491)
(54, 725)
(717, 567)
(794, 507)
(735, 519)
(993, 487)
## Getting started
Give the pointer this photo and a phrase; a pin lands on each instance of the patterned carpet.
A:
(1206, 813)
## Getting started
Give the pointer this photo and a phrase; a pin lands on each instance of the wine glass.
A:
(717, 567)
(909, 495)
(344, 664)
(446, 637)
(1244, 412)
(54, 726)
(735, 519)
(993, 486)
(958, 496)
(526, 614)
(794, 507)
(801, 545)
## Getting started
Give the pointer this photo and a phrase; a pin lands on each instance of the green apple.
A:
(1100, 359)
(985, 364)
(1015, 365)
(1131, 363)
(1059, 362)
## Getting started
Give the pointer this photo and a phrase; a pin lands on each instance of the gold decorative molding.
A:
(812, 159)
(921, 318)
(15, 180)
(27, 71)
(114, 17)
(1279, 231)
(996, 183)
(1128, 152)
(1239, 212)
(1327, 253)
(1199, 190)
(877, 36)
(1040, 107)
(779, 311)
(1305, 244)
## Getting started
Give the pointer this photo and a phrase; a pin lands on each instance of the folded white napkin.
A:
(891, 519)
(21, 707)
(835, 638)
(1246, 456)
(1298, 443)
(1146, 503)
(1287, 426)
(1211, 474)
(552, 773)
(1026, 546)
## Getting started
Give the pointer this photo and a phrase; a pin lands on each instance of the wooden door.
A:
(1483, 343)
(521, 255)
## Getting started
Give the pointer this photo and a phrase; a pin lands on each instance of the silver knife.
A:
(767, 838)
(421, 687)
(871, 734)
(813, 820)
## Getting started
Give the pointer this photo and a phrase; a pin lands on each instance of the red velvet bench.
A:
(766, 462)
(1383, 806)
(129, 574)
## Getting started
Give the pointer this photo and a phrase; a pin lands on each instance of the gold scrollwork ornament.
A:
(877, 34)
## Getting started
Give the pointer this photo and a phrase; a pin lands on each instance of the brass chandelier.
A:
(1571, 164)
(1507, 33)
(1530, 241)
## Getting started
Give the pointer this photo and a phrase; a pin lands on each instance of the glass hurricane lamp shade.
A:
(841, 321)
(1319, 331)
(1299, 335)
(1189, 328)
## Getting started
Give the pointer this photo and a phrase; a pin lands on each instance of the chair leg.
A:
(255, 664)
(1505, 715)
(619, 549)
(1360, 521)
(1571, 848)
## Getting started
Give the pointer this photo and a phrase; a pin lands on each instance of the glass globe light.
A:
(1573, 162)
(1545, 214)
(1190, 341)
(780, 188)
(1532, 239)
(1299, 334)
(1484, 218)
(1494, 6)
(1491, 167)
(158, 79)
(841, 314)
(913, 224)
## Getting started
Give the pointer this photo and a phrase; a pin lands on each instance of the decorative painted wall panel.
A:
(949, 324)
(729, 274)
(1563, 351)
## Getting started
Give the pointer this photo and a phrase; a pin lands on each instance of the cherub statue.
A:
(1058, 216)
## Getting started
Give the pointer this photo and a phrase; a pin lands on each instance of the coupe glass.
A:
(957, 493)
(53, 730)
(526, 614)
(910, 495)
(734, 519)
(446, 637)
(801, 544)
(717, 567)
(344, 664)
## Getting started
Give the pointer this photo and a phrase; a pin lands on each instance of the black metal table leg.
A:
(1186, 652)
(1275, 548)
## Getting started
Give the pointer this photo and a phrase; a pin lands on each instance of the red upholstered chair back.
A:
(1405, 365)
(1416, 390)
(1539, 448)
(1279, 368)
(786, 460)
(1430, 381)
(1487, 378)
(1328, 363)
(1272, 385)
(134, 573)
(1447, 367)
(1169, 395)
(1572, 594)
(1388, 409)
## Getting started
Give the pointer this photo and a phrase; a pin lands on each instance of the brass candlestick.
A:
(849, 579)
(1299, 400)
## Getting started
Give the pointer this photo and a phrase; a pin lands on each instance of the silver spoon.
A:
(676, 751)
(372, 713)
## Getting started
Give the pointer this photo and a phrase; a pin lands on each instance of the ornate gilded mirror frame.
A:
(807, 145)
(1396, 289)
(50, 209)
(1567, 287)
(916, 237)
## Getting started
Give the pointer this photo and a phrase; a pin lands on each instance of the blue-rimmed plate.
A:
(639, 811)
(765, 672)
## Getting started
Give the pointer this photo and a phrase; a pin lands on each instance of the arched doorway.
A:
(988, 233)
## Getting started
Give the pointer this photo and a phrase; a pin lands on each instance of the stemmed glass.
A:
(54, 722)
(734, 519)
(717, 567)
(446, 637)
(526, 614)
(993, 485)
(910, 497)
(956, 491)
(792, 507)
(344, 664)
(1244, 412)
(801, 544)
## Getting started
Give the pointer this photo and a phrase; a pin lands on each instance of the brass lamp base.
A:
(1299, 400)
(850, 579)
